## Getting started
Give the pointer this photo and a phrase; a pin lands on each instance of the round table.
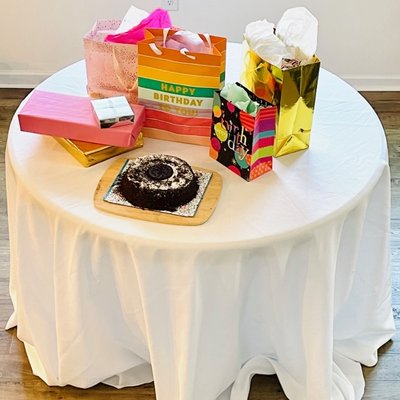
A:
(290, 275)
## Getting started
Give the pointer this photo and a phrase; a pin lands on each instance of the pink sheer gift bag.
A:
(111, 68)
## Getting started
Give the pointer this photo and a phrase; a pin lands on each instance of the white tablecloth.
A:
(290, 275)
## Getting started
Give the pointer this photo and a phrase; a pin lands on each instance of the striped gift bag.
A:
(177, 87)
(242, 142)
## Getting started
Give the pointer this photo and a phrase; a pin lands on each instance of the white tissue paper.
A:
(132, 18)
(261, 38)
(295, 37)
(298, 28)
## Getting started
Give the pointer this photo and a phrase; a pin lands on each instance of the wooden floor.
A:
(17, 381)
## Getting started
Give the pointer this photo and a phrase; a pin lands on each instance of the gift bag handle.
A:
(119, 74)
(205, 37)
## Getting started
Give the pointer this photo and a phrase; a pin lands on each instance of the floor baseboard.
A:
(373, 83)
(22, 79)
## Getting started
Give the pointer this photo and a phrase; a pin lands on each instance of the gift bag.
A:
(177, 87)
(243, 142)
(293, 89)
(281, 67)
(111, 68)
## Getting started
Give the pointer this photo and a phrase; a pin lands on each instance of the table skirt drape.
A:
(201, 322)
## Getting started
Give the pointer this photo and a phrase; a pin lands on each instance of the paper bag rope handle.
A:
(205, 37)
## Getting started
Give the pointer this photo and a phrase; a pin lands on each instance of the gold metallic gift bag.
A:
(293, 91)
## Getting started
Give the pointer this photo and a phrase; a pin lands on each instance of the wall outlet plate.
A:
(170, 5)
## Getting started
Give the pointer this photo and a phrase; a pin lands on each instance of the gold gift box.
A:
(89, 154)
(293, 91)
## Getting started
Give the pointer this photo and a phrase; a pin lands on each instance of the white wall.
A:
(359, 40)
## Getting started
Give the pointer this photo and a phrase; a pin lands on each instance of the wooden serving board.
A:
(205, 208)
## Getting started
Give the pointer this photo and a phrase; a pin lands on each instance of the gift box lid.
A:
(72, 117)
(112, 111)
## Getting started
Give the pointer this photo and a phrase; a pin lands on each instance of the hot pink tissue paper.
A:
(72, 117)
(159, 18)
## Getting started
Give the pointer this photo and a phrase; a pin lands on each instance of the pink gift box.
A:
(72, 117)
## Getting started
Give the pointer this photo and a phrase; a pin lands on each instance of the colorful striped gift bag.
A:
(241, 141)
(177, 87)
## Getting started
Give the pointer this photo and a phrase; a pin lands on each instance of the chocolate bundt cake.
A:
(159, 182)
